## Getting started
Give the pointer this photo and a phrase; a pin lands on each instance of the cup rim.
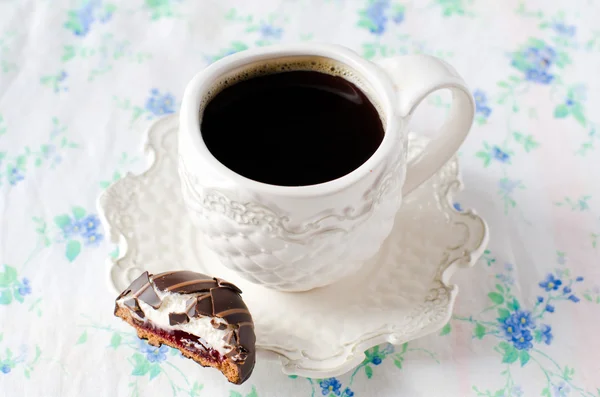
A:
(202, 82)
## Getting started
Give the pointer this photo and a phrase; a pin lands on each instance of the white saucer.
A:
(402, 295)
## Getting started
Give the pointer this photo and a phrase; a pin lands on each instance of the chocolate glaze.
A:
(216, 298)
(178, 318)
(140, 289)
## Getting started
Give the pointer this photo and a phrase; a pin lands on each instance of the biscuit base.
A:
(226, 365)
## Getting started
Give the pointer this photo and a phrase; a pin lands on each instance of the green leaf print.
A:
(82, 338)
(73, 249)
(8, 276)
(479, 331)
(561, 111)
(485, 156)
(154, 370)
(398, 362)
(503, 314)
(446, 330)
(18, 297)
(487, 256)
(69, 52)
(5, 297)
(365, 21)
(514, 305)
(62, 220)
(523, 357)
(496, 298)
(196, 389)
(577, 112)
(141, 365)
(562, 59)
(510, 353)
(453, 7)
(78, 212)
(235, 394)
(115, 341)
(528, 142)
(73, 23)
(252, 393)
(368, 371)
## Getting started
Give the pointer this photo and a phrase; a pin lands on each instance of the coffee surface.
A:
(292, 128)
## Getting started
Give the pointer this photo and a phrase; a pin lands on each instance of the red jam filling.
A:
(186, 341)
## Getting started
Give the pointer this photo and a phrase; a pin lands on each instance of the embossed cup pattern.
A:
(259, 244)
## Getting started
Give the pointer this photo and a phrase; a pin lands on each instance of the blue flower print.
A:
(154, 354)
(24, 288)
(573, 298)
(62, 76)
(387, 349)
(516, 391)
(481, 105)
(561, 390)
(508, 185)
(14, 175)
(563, 29)
(159, 354)
(511, 327)
(579, 279)
(376, 14)
(81, 19)
(540, 299)
(506, 279)
(500, 155)
(89, 224)
(516, 329)
(522, 341)
(5, 368)
(88, 227)
(270, 32)
(457, 207)
(93, 238)
(348, 392)
(536, 61)
(160, 104)
(550, 308)
(547, 55)
(566, 289)
(72, 228)
(538, 76)
(50, 152)
(523, 318)
(551, 283)
(397, 17)
(330, 385)
(376, 360)
(546, 332)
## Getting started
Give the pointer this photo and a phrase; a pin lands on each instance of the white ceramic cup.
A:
(299, 238)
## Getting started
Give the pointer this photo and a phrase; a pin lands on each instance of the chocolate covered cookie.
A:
(203, 317)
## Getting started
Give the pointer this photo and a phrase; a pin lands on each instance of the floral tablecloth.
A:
(80, 79)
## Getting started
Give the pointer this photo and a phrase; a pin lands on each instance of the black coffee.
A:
(292, 128)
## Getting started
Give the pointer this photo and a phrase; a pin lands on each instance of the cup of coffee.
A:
(293, 158)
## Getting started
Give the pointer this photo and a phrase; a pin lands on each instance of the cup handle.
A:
(415, 77)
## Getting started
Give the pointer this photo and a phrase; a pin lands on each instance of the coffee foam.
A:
(291, 64)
